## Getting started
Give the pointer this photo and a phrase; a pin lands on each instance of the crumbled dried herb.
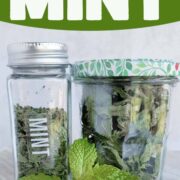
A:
(127, 124)
(41, 141)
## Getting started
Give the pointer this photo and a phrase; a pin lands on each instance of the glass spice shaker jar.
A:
(124, 106)
(38, 94)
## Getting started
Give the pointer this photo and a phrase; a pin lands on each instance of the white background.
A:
(162, 42)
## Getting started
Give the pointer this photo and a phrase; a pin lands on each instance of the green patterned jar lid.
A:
(126, 67)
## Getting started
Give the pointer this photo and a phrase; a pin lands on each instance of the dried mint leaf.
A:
(29, 164)
(127, 123)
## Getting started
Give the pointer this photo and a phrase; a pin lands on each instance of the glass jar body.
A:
(39, 111)
(127, 119)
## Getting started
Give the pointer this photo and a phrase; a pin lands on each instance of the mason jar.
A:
(38, 95)
(122, 106)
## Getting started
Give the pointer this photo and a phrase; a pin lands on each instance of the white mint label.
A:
(39, 136)
(118, 9)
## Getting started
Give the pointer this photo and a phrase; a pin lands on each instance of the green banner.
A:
(90, 14)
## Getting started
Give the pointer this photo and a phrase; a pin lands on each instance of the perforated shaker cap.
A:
(35, 54)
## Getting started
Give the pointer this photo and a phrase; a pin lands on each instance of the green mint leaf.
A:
(82, 156)
(108, 172)
(40, 177)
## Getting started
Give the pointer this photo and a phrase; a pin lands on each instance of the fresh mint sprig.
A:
(40, 176)
(83, 165)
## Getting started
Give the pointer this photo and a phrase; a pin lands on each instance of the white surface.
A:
(155, 42)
